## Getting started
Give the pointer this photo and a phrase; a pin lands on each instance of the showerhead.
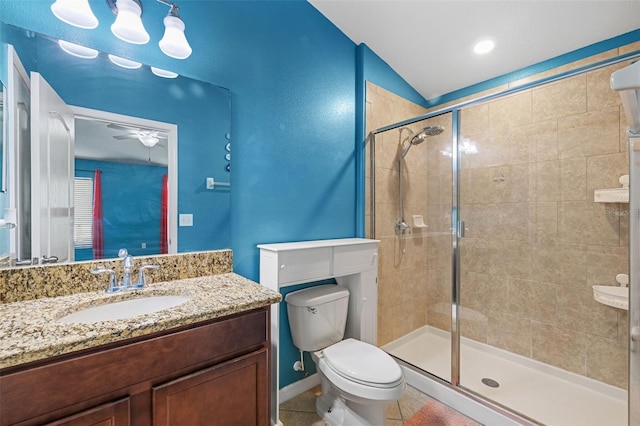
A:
(420, 137)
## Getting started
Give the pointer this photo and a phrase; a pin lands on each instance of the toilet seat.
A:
(363, 363)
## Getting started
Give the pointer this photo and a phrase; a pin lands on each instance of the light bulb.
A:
(128, 24)
(174, 43)
(75, 12)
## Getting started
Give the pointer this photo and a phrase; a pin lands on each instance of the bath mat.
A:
(436, 414)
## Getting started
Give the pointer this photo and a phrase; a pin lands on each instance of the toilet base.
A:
(336, 411)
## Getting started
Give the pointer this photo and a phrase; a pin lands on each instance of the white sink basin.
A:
(610, 295)
(125, 309)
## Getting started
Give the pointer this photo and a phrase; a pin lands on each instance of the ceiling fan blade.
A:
(124, 137)
(121, 127)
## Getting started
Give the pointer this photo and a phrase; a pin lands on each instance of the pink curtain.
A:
(98, 234)
(164, 246)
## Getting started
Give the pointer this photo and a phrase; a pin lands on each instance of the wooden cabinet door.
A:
(114, 413)
(235, 393)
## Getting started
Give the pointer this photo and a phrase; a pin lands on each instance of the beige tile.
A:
(555, 346)
(573, 179)
(599, 92)
(548, 181)
(510, 111)
(590, 133)
(603, 266)
(562, 264)
(510, 333)
(305, 402)
(533, 300)
(511, 259)
(604, 171)
(296, 418)
(474, 255)
(475, 119)
(631, 47)
(584, 222)
(560, 99)
(411, 401)
(607, 361)
(546, 224)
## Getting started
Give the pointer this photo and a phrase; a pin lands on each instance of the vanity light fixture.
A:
(124, 63)
(128, 24)
(75, 12)
(484, 45)
(163, 73)
(174, 43)
(77, 50)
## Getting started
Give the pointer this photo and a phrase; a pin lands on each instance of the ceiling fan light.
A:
(174, 43)
(124, 63)
(148, 140)
(75, 12)
(163, 73)
(77, 50)
(128, 24)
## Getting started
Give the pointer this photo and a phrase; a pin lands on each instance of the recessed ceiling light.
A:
(484, 45)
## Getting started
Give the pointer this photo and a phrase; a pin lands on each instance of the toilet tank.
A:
(317, 316)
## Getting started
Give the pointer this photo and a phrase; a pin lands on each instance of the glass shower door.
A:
(533, 339)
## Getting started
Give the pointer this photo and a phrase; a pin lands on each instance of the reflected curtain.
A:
(164, 215)
(97, 231)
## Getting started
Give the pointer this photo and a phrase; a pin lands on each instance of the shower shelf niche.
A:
(613, 195)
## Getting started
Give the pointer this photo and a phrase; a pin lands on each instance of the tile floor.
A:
(301, 410)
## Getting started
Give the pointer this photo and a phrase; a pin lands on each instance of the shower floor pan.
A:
(549, 395)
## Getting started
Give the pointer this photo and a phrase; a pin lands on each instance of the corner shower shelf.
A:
(613, 195)
(610, 295)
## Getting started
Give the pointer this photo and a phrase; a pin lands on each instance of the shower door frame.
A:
(457, 228)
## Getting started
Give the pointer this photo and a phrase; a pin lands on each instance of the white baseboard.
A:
(301, 386)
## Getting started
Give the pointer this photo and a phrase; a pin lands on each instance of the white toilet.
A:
(357, 378)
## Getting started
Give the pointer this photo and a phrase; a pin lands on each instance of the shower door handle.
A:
(460, 229)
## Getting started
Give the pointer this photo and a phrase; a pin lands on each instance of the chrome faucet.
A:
(112, 278)
(126, 283)
(128, 265)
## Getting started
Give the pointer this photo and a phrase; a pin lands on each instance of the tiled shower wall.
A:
(535, 241)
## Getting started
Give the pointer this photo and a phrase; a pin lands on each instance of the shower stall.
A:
(491, 242)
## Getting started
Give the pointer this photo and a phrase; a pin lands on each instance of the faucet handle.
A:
(142, 280)
(112, 277)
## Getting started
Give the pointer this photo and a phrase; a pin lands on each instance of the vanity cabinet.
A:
(211, 373)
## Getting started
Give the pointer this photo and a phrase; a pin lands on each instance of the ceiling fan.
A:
(148, 137)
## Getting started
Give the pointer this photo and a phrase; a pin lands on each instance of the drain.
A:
(490, 382)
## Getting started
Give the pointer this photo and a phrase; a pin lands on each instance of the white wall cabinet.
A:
(353, 262)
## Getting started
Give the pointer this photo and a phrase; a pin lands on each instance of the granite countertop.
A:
(29, 330)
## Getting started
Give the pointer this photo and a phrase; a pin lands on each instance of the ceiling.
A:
(429, 43)
(94, 140)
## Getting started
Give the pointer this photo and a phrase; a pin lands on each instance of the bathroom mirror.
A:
(198, 111)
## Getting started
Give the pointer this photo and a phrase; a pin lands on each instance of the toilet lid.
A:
(363, 363)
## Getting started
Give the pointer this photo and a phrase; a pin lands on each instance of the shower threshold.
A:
(548, 394)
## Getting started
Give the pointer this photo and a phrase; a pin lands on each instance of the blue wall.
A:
(131, 212)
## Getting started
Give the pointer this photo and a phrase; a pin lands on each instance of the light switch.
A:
(186, 220)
